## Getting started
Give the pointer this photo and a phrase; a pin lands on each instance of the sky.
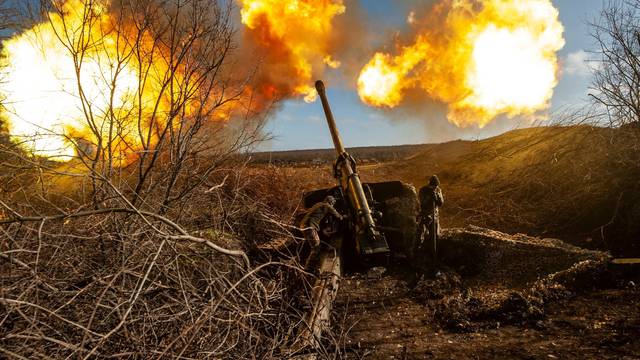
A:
(300, 125)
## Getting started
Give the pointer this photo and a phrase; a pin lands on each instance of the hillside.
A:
(579, 183)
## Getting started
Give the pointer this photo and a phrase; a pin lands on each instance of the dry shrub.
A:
(126, 284)
(138, 245)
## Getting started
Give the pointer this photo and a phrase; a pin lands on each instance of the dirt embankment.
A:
(493, 296)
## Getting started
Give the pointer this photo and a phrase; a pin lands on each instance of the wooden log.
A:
(324, 292)
(325, 289)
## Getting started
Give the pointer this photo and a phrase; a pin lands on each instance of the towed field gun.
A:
(380, 223)
(381, 216)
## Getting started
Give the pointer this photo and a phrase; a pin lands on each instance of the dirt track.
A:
(556, 315)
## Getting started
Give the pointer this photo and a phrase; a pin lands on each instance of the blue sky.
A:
(298, 125)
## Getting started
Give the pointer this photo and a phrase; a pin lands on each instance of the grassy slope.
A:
(556, 181)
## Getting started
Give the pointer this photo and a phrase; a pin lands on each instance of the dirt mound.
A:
(438, 287)
(494, 278)
(490, 258)
(467, 309)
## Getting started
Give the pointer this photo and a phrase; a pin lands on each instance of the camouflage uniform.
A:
(310, 224)
(431, 199)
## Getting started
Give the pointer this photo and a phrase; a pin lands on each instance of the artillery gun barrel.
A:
(337, 141)
(371, 241)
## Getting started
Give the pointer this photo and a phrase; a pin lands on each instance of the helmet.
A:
(434, 181)
(330, 199)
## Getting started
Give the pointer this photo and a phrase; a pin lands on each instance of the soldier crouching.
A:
(310, 224)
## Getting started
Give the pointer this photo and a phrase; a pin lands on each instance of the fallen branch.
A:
(214, 246)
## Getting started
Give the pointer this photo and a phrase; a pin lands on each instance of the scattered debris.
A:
(376, 272)
(443, 284)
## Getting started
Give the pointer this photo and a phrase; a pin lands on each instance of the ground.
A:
(493, 295)
(384, 320)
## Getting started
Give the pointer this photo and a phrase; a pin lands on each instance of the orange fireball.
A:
(483, 61)
(295, 37)
(91, 81)
(40, 87)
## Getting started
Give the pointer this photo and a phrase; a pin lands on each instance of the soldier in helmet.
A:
(431, 199)
(310, 224)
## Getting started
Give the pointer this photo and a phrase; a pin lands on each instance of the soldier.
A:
(310, 224)
(431, 199)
